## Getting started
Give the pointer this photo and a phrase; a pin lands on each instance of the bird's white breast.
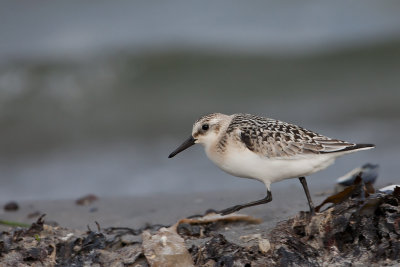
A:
(240, 161)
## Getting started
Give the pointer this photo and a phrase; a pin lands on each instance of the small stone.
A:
(11, 206)
(166, 248)
(264, 245)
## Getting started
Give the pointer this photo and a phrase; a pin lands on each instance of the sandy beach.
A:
(129, 231)
(135, 212)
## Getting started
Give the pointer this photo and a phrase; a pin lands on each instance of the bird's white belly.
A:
(244, 163)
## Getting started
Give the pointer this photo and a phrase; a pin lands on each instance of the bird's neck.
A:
(214, 145)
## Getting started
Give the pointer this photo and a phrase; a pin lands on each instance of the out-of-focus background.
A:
(95, 95)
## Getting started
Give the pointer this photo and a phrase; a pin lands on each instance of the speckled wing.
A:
(277, 139)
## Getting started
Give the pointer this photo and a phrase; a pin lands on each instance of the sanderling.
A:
(265, 149)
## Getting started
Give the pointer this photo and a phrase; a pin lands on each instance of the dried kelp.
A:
(356, 230)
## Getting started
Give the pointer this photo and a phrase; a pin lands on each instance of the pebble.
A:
(11, 206)
(264, 245)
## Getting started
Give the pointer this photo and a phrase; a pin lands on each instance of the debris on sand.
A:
(11, 206)
(353, 231)
(368, 173)
(203, 226)
(86, 200)
(167, 246)
(359, 187)
(359, 227)
(389, 189)
(45, 245)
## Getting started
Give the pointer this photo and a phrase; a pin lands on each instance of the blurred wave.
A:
(43, 105)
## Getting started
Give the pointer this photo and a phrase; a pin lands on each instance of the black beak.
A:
(188, 143)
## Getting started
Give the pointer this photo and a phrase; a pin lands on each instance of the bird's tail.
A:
(351, 148)
(359, 147)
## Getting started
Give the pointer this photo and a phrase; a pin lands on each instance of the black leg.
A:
(267, 199)
(304, 184)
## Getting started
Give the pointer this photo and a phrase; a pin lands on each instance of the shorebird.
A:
(265, 149)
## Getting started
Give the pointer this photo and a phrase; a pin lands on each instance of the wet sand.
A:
(136, 212)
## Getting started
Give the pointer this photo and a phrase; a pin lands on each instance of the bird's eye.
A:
(205, 127)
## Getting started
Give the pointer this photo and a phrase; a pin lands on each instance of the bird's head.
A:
(205, 131)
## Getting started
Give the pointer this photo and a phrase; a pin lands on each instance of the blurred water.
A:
(94, 98)
(73, 29)
(107, 126)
